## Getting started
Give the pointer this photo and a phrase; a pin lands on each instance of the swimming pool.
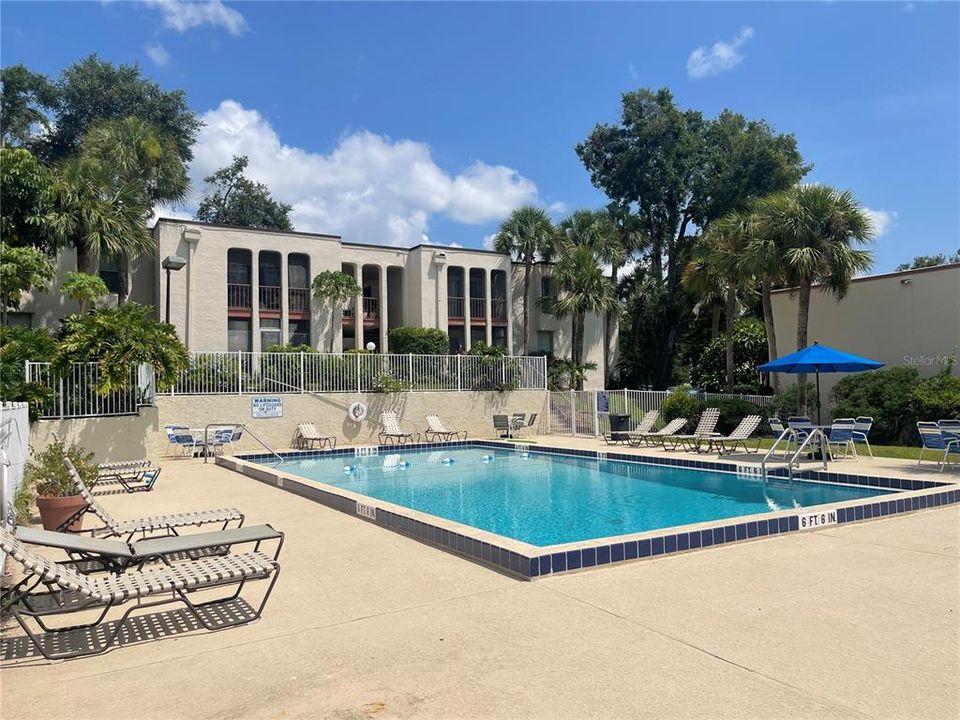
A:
(544, 499)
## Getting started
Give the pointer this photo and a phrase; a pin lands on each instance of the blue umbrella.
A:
(817, 359)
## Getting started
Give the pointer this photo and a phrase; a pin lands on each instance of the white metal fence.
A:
(241, 373)
(14, 436)
(587, 412)
(75, 395)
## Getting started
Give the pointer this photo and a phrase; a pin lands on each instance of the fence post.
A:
(410, 369)
(596, 414)
(459, 377)
(239, 372)
(358, 373)
(302, 381)
(60, 383)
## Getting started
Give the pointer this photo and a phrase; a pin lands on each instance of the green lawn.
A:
(890, 451)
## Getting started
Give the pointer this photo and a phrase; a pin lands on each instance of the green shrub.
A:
(937, 398)
(387, 383)
(885, 395)
(785, 402)
(47, 473)
(680, 403)
(17, 345)
(732, 411)
(709, 373)
(419, 341)
(290, 349)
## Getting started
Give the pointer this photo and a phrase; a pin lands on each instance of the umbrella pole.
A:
(819, 421)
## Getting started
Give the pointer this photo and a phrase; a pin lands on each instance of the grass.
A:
(889, 451)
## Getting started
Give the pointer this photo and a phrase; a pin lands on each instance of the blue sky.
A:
(389, 121)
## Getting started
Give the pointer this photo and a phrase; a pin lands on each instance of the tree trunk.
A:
(527, 268)
(731, 312)
(87, 261)
(126, 279)
(769, 326)
(578, 323)
(333, 326)
(803, 318)
(715, 311)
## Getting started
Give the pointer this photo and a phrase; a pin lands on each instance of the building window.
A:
(299, 331)
(499, 336)
(269, 332)
(546, 295)
(20, 319)
(110, 272)
(239, 334)
(545, 341)
(269, 280)
(238, 278)
(298, 283)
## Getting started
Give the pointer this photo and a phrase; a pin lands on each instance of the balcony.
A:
(455, 308)
(298, 300)
(270, 297)
(238, 296)
(371, 308)
(498, 309)
(478, 309)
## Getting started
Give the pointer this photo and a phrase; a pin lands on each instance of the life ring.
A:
(357, 412)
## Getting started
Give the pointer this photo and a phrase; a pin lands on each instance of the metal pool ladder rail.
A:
(788, 434)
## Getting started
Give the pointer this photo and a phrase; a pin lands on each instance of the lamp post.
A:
(171, 262)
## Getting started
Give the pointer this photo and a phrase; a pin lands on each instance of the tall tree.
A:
(26, 98)
(527, 234)
(135, 154)
(233, 199)
(336, 287)
(26, 201)
(925, 261)
(93, 90)
(819, 230)
(678, 172)
(21, 268)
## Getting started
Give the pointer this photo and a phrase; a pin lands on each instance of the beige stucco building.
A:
(909, 318)
(244, 289)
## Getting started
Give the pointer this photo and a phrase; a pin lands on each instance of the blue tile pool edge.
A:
(529, 562)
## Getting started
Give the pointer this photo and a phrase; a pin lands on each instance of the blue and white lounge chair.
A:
(861, 430)
(777, 429)
(802, 425)
(841, 433)
(933, 438)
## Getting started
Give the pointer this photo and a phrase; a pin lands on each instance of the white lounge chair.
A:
(728, 443)
(437, 432)
(390, 430)
(643, 427)
(704, 431)
(668, 430)
(307, 435)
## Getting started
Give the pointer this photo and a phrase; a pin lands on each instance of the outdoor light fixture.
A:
(171, 262)
(371, 347)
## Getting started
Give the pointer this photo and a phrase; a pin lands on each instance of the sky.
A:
(399, 122)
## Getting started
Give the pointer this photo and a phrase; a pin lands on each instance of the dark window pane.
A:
(239, 334)
(298, 271)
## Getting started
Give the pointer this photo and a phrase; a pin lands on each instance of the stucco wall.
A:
(907, 319)
(134, 437)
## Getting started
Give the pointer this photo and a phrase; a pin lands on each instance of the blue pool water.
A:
(548, 499)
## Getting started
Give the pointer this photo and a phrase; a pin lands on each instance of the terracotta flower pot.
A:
(54, 511)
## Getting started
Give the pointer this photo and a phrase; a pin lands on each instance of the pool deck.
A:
(860, 620)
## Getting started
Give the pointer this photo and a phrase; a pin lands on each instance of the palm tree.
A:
(719, 258)
(763, 257)
(336, 288)
(135, 154)
(527, 234)
(817, 228)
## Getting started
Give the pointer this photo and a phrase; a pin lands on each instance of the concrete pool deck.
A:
(859, 620)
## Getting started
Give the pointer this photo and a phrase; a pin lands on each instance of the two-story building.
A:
(245, 289)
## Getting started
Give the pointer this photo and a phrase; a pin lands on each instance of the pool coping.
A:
(531, 562)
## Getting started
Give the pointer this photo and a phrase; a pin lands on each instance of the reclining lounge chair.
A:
(704, 431)
(68, 591)
(132, 475)
(643, 428)
(167, 523)
(650, 438)
(437, 432)
(307, 435)
(390, 430)
(728, 443)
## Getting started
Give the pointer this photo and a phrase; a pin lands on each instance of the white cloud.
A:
(182, 15)
(721, 56)
(157, 53)
(369, 188)
(488, 241)
(634, 75)
(558, 208)
(882, 220)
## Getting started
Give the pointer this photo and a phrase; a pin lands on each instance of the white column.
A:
(467, 327)
(509, 301)
(358, 310)
(383, 309)
(488, 304)
(284, 301)
(255, 299)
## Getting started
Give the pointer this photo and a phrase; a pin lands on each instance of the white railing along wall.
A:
(14, 437)
(75, 394)
(587, 412)
(243, 373)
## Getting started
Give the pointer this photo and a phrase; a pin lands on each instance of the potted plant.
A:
(57, 498)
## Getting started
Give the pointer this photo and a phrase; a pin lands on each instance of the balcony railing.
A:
(348, 310)
(371, 308)
(270, 297)
(238, 296)
(478, 308)
(498, 309)
(298, 300)
(455, 307)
